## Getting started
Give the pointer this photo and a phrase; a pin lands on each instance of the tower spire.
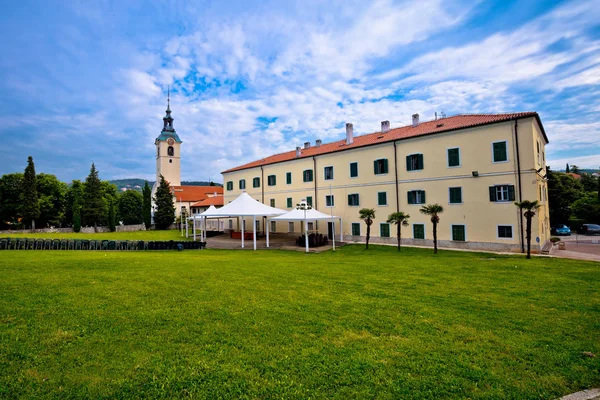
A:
(169, 97)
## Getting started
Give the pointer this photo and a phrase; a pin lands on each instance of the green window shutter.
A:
(493, 193)
(353, 170)
(500, 152)
(310, 175)
(385, 166)
(309, 200)
(419, 231)
(420, 161)
(375, 167)
(382, 198)
(453, 157)
(288, 178)
(355, 229)
(230, 185)
(458, 233)
(410, 198)
(408, 164)
(289, 202)
(423, 201)
(511, 192)
(384, 230)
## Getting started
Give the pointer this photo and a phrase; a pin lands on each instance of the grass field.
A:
(136, 235)
(275, 324)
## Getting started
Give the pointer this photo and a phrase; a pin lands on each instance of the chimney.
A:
(349, 133)
(306, 145)
(298, 151)
(415, 119)
(318, 143)
(385, 126)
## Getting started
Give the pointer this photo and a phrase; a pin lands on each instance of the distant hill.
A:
(138, 184)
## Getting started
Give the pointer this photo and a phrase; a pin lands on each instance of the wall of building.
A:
(168, 166)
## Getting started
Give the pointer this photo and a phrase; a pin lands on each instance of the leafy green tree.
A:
(367, 215)
(574, 169)
(130, 207)
(52, 200)
(530, 208)
(589, 182)
(587, 208)
(74, 194)
(400, 219)
(165, 210)
(94, 208)
(11, 186)
(434, 211)
(147, 205)
(111, 216)
(563, 191)
(76, 216)
(567, 170)
(29, 202)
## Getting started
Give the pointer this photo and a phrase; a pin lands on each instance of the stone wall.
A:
(87, 229)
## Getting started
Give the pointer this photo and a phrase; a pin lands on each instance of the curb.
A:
(590, 394)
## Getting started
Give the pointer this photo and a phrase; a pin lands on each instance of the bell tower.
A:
(168, 150)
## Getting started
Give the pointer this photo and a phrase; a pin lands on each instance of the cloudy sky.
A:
(86, 81)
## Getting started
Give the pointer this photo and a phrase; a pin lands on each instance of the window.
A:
(230, 185)
(273, 226)
(328, 173)
(171, 151)
(458, 233)
(502, 193)
(271, 180)
(311, 226)
(416, 197)
(454, 157)
(455, 194)
(288, 178)
(505, 231)
(256, 182)
(355, 229)
(230, 224)
(539, 155)
(309, 200)
(380, 166)
(414, 162)
(384, 230)
(272, 202)
(353, 169)
(499, 150)
(353, 199)
(290, 227)
(329, 201)
(307, 175)
(242, 184)
(419, 231)
(289, 202)
(382, 199)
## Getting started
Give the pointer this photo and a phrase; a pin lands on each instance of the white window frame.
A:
(311, 226)
(503, 185)
(332, 200)
(452, 238)
(461, 195)
(351, 231)
(350, 170)
(507, 154)
(273, 226)
(325, 175)
(386, 200)
(424, 231)
(459, 157)
(389, 229)
(512, 231)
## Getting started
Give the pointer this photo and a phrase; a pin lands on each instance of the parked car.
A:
(560, 230)
(590, 229)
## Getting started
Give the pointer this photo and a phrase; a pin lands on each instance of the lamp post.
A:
(304, 207)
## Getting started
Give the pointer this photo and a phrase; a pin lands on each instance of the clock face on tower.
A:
(170, 141)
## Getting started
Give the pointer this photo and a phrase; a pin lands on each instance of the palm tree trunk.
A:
(528, 230)
(368, 235)
(434, 238)
(399, 237)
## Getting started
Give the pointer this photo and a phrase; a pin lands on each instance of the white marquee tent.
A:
(309, 215)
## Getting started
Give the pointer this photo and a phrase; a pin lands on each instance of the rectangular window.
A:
(505, 231)
(230, 185)
(242, 184)
(419, 231)
(311, 226)
(353, 199)
(414, 162)
(288, 178)
(230, 224)
(256, 182)
(273, 226)
(329, 200)
(455, 194)
(307, 175)
(272, 202)
(309, 200)
(290, 227)
(328, 173)
(355, 229)
(454, 157)
(416, 197)
(380, 166)
(382, 199)
(353, 169)
(500, 152)
(384, 230)
(458, 233)
(289, 202)
(502, 193)
(271, 180)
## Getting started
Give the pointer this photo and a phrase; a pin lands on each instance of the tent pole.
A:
(242, 232)
(306, 231)
(186, 228)
(268, 230)
(333, 234)
(341, 233)
(194, 229)
(254, 231)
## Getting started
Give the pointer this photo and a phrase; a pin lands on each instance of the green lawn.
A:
(275, 324)
(137, 235)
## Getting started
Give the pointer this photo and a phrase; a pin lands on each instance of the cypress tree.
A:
(567, 170)
(165, 210)
(147, 206)
(30, 206)
(111, 216)
(94, 208)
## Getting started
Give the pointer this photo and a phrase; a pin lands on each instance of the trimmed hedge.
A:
(95, 245)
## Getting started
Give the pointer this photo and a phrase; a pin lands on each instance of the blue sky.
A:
(85, 82)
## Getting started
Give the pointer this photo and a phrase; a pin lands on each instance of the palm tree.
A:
(433, 210)
(367, 215)
(529, 207)
(400, 219)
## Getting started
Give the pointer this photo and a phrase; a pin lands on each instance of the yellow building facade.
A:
(475, 166)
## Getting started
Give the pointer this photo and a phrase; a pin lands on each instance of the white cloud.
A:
(592, 161)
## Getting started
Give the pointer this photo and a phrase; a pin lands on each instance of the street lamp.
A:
(304, 206)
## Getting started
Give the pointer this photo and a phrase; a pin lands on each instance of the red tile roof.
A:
(195, 193)
(216, 201)
(405, 132)
(574, 175)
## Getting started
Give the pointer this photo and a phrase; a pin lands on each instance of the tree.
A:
(530, 207)
(130, 207)
(563, 191)
(147, 205)
(52, 200)
(111, 216)
(76, 217)
(11, 186)
(367, 215)
(589, 182)
(94, 208)
(567, 169)
(165, 210)
(29, 202)
(574, 169)
(400, 219)
(587, 208)
(74, 197)
(434, 211)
